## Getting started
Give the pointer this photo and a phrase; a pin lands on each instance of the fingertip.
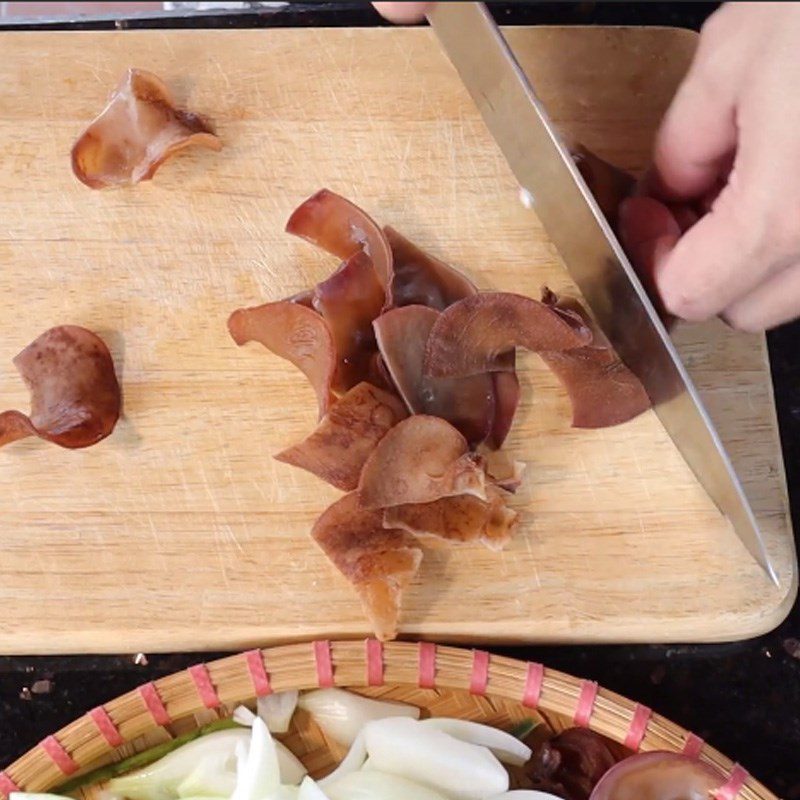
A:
(403, 13)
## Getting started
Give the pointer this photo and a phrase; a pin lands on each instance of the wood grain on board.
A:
(180, 531)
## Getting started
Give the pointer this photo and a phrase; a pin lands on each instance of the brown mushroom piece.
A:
(420, 460)
(349, 300)
(658, 776)
(296, 333)
(506, 400)
(462, 519)
(571, 763)
(135, 133)
(380, 563)
(474, 335)
(466, 403)
(341, 228)
(602, 390)
(75, 395)
(502, 470)
(337, 450)
(421, 279)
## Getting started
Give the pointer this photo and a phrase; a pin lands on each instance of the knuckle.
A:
(692, 307)
(740, 320)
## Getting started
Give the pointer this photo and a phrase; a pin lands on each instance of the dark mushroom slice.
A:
(136, 132)
(75, 395)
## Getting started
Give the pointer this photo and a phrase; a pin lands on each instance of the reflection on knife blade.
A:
(575, 223)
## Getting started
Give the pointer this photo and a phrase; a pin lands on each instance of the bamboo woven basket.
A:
(443, 681)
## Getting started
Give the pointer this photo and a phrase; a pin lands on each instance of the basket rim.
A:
(98, 733)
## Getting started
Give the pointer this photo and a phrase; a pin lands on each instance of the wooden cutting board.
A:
(180, 531)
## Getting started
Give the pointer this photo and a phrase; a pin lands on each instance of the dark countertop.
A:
(743, 698)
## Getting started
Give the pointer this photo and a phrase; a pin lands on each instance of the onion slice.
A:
(75, 395)
(506, 747)
(375, 785)
(420, 460)
(296, 333)
(430, 757)
(470, 336)
(342, 714)
(338, 449)
(379, 563)
(135, 133)
(277, 710)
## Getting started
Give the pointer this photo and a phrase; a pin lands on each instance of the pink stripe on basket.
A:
(7, 785)
(585, 707)
(152, 700)
(374, 656)
(322, 657)
(258, 674)
(638, 727)
(734, 784)
(479, 679)
(694, 744)
(58, 755)
(533, 685)
(427, 665)
(108, 730)
(205, 688)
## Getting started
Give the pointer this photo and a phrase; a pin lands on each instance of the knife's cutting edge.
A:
(598, 265)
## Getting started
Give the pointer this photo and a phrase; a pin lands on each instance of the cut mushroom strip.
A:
(502, 470)
(380, 563)
(348, 301)
(461, 519)
(470, 336)
(421, 279)
(466, 403)
(341, 228)
(135, 133)
(346, 435)
(420, 460)
(506, 400)
(602, 390)
(296, 333)
(75, 396)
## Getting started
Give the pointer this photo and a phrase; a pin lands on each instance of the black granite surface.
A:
(744, 698)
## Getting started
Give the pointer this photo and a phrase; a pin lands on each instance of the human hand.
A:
(402, 12)
(729, 146)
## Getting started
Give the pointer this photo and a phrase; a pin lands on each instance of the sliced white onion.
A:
(428, 756)
(242, 715)
(354, 760)
(506, 747)
(342, 714)
(277, 710)
(291, 767)
(309, 790)
(526, 794)
(258, 774)
(36, 796)
(160, 780)
(375, 785)
(285, 793)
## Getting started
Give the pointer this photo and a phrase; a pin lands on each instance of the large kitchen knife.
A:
(598, 265)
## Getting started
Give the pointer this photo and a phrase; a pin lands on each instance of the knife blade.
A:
(570, 215)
